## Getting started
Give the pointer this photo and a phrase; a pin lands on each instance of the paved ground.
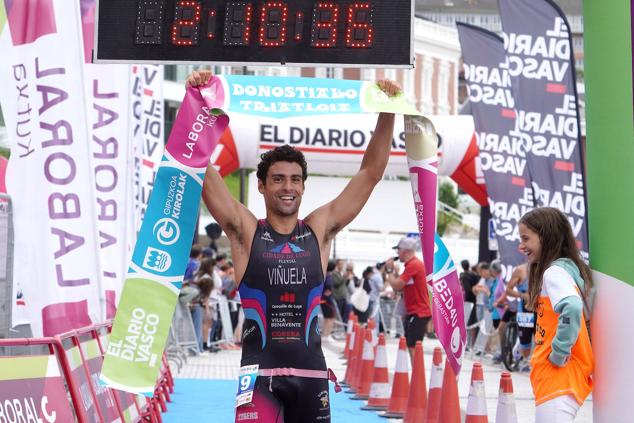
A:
(225, 365)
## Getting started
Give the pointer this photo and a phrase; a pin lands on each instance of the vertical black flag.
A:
(502, 157)
(540, 61)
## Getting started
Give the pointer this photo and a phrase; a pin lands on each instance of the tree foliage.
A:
(448, 196)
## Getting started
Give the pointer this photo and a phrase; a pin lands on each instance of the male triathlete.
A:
(519, 280)
(280, 262)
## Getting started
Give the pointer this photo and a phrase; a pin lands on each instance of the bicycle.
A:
(511, 356)
(510, 348)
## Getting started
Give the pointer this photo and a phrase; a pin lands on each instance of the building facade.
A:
(485, 14)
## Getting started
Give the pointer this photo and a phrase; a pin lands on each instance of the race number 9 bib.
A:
(246, 384)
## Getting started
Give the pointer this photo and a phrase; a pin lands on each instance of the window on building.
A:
(329, 73)
(463, 93)
(579, 64)
(242, 70)
(409, 86)
(577, 43)
(443, 88)
(178, 73)
(390, 74)
(368, 74)
(170, 72)
(428, 76)
(171, 108)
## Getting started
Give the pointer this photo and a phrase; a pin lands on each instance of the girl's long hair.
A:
(206, 267)
(204, 277)
(557, 241)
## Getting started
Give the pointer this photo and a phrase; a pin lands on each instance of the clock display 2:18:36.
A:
(263, 24)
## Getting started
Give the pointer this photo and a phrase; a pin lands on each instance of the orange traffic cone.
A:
(356, 376)
(417, 400)
(379, 397)
(435, 388)
(375, 338)
(477, 403)
(353, 340)
(506, 412)
(357, 354)
(400, 385)
(351, 320)
(449, 402)
(367, 368)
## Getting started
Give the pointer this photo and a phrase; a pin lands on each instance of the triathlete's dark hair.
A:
(284, 153)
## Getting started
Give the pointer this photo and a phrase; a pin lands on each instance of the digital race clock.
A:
(352, 33)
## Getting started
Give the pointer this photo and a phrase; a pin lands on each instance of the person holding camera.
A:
(412, 281)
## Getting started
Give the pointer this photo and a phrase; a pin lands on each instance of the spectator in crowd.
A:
(388, 300)
(498, 305)
(387, 291)
(353, 282)
(328, 303)
(207, 253)
(206, 273)
(469, 279)
(376, 288)
(200, 304)
(414, 286)
(227, 276)
(496, 302)
(221, 260)
(340, 289)
(481, 289)
(559, 286)
(518, 288)
(229, 289)
(212, 318)
(195, 255)
(364, 284)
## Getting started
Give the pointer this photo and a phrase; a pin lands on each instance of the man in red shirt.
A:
(414, 286)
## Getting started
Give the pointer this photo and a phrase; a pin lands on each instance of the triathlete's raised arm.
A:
(335, 215)
(234, 218)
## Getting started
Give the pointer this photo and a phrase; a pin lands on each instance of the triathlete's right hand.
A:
(197, 78)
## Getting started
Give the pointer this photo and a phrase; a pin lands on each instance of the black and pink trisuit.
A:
(280, 293)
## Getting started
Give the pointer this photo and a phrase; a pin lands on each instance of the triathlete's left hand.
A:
(389, 87)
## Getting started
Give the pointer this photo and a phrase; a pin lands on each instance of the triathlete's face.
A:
(529, 243)
(283, 189)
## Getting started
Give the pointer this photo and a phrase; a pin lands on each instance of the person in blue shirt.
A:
(195, 255)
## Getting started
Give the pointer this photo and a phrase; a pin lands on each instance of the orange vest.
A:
(550, 381)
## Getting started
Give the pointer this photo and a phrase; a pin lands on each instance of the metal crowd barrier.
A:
(181, 340)
(223, 306)
(39, 373)
(392, 321)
